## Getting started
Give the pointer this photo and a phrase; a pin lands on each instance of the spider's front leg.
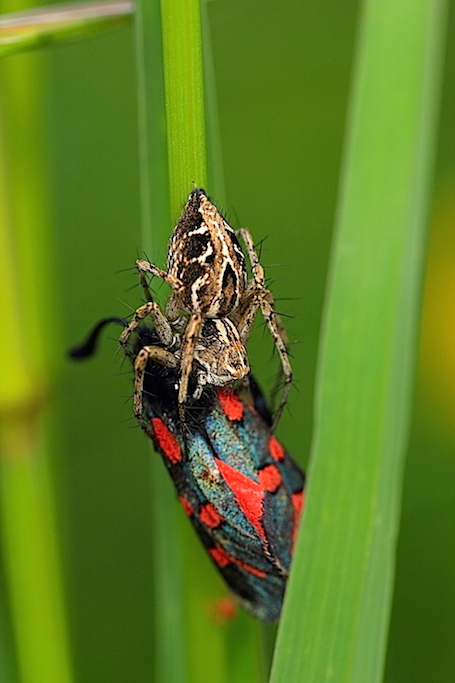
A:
(160, 322)
(146, 354)
(173, 308)
(187, 351)
(139, 315)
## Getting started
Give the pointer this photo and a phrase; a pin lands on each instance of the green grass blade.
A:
(184, 95)
(338, 603)
(152, 132)
(66, 22)
(215, 168)
(158, 98)
(27, 355)
(168, 578)
(191, 644)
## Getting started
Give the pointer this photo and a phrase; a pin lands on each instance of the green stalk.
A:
(184, 96)
(156, 116)
(190, 644)
(337, 609)
(27, 517)
(167, 555)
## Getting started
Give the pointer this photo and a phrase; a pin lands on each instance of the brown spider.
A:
(207, 273)
(219, 356)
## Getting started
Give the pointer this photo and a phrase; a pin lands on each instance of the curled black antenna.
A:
(88, 348)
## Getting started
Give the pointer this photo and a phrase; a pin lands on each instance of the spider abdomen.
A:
(206, 258)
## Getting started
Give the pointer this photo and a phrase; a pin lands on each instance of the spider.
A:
(219, 358)
(207, 273)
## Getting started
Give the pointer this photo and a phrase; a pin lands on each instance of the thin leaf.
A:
(338, 603)
(184, 95)
(191, 644)
(27, 354)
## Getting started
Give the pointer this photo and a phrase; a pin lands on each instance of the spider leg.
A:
(273, 322)
(159, 355)
(173, 309)
(255, 289)
(160, 322)
(173, 305)
(257, 296)
(256, 268)
(188, 347)
(246, 314)
(146, 267)
(145, 286)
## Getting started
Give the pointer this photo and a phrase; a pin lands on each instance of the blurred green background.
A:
(282, 77)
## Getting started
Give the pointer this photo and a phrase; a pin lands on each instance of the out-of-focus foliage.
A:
(46, 26)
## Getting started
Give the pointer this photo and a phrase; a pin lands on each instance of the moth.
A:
(237, 484)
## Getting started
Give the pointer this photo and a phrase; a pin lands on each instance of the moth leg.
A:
(153, 353)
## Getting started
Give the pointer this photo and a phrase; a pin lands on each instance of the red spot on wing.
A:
(249, 494)
(231, 404)
(223, 559)
(270, 478)
(209, 516)
(276, 449)
(220, 556)
(297, 500)
(186, 506)
(166, 441)
(260, 573)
